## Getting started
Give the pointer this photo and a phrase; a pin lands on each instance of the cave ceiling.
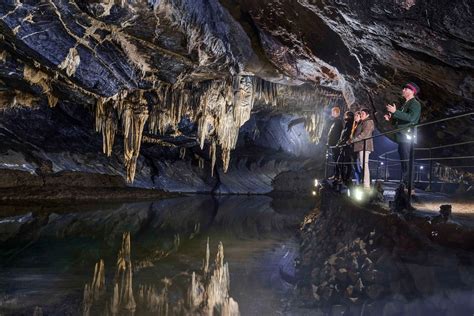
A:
(140, 66)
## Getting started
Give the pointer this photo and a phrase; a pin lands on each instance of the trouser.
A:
(404, 153)
(344, 164)
(335, 155)
(366, 167)
(356, 166)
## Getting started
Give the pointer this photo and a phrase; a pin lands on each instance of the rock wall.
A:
(58, 148)
(356, 258)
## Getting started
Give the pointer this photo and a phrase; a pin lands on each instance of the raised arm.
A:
(411, 116)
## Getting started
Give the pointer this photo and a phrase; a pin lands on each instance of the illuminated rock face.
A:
(145, 68)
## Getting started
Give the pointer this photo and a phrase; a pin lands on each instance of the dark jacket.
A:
(364, 130)
(407, 115)
(334, 132)
(346, 133)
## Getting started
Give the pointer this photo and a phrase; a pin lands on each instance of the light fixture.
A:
(358, 194)
(316, 182)
(381, 163)
(314, 193)
(421, 167)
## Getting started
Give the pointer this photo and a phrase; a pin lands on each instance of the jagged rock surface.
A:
(144, 67)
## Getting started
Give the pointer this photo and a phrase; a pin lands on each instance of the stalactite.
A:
(133, 121)
(218, 288)
(40, 78)
(207, 293)
(196, 293)
(218, 107)
(153, 301)
(206, 260)
(213, 153)
(106, 123)
(96, 290)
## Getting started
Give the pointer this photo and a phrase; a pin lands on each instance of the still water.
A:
(48, 254)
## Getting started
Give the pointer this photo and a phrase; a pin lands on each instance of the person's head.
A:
(335, 112)
(348, 116)
(357, 116)
(364, 114)
(410, 90)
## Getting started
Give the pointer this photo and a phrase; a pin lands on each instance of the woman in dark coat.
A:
(346, 154)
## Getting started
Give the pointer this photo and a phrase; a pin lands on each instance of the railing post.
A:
(377, 176)
(363, 163)
(429, 189)
(410, 165)
(326, 164)
(386, 167)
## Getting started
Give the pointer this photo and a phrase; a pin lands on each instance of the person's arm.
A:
(367, 130)
(411, 116)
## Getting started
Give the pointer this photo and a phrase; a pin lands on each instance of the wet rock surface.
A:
(358, 259)
(185, 73)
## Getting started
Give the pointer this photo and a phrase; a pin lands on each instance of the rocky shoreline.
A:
(362, 259)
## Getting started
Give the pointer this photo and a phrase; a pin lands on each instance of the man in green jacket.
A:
(408, 115)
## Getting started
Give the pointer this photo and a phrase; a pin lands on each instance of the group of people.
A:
(346, 138)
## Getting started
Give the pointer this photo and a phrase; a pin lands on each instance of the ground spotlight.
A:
(358, 194)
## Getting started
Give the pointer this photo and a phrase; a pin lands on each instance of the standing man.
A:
(364, 130)
(333, 137)
(406, 116)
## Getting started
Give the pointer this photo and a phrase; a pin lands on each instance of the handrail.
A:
(412, 149)
(418, 125)
(411, 126)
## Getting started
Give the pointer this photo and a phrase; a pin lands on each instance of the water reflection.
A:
(48, 256)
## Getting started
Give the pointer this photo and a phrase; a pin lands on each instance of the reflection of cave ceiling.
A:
(142, 65)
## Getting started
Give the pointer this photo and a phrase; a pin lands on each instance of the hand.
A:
(387, 117)
(391, 108)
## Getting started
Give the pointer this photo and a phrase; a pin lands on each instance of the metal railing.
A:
(412, 149)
